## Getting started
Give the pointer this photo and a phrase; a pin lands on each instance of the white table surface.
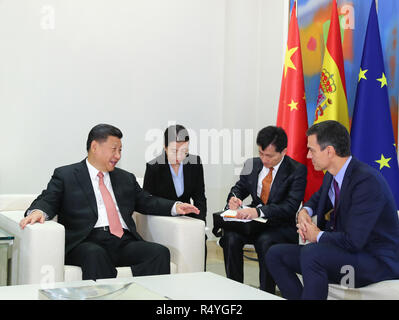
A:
(198, 286)
(179, 286)
(31, 291)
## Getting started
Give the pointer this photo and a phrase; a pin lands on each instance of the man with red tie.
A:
(277, 185)
(95, 201)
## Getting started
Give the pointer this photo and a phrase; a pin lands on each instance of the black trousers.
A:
(101, 252)
(233, 243)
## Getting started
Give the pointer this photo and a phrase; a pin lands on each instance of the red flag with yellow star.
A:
(292, 114)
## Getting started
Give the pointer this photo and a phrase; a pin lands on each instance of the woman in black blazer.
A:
(177, 175)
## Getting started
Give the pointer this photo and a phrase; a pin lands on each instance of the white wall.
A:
(137, 64)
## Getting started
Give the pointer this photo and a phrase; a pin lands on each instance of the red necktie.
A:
(115, 225)
(266, 183)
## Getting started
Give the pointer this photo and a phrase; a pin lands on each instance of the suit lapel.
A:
(258, 165)
(167, 177)
(325, 204)
(83, 177)
(117, 189)
(168, 186)
(186, 177)
(345, 182)
(279, 178)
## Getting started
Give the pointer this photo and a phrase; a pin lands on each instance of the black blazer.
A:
(70, 195)
(286, 194)
(159, 182)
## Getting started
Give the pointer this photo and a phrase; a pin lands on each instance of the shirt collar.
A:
(339, 177)
(275, 168)
(179, 172)
(93, 171)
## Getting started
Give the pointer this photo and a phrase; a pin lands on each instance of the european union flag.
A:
(372, 132)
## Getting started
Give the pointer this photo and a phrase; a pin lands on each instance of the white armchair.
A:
(384, 290)
(38, 250)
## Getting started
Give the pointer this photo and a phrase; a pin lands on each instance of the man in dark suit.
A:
(277, 185)
(356, 239)
(95, 201)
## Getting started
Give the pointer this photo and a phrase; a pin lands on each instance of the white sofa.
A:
(37, 255)
(384, 290)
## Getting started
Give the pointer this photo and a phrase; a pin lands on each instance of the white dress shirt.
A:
(178, 179)
(102, 212)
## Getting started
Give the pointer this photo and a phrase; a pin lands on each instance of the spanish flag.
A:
(332, 101)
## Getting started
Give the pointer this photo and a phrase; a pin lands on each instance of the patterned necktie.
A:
(115, 225)
(336, 199)
(336, 190)
(266, 183)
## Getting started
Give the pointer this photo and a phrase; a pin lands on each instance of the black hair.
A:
(272, 135)
(101, 132)
(332, 133)
(176, 133)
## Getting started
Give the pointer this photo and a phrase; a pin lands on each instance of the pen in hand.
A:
(240, 207)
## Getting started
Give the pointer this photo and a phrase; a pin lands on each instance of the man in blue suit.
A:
(357, 231)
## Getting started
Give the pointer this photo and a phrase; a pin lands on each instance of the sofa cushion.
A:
(384, 290)
(74, 273)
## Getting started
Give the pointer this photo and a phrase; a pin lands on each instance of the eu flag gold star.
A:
(383, 80)
(362, 74)
(293, 105)
(383, 162)
(288, 62)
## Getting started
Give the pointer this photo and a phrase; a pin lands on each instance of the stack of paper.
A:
(230, 215)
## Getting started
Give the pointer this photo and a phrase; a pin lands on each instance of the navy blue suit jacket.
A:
(366, 215)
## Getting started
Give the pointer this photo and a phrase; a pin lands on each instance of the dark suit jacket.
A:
(285, 196)
(158, 181)
(70, 195)
(366, 218)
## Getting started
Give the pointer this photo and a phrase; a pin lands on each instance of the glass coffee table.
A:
(6, 240)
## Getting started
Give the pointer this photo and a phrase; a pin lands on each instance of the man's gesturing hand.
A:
(185, 208)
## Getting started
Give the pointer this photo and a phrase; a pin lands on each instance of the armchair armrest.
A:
(38, 250)
(183, 236)
(16, 202)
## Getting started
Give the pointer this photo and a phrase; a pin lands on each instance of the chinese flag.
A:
(292, 114)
